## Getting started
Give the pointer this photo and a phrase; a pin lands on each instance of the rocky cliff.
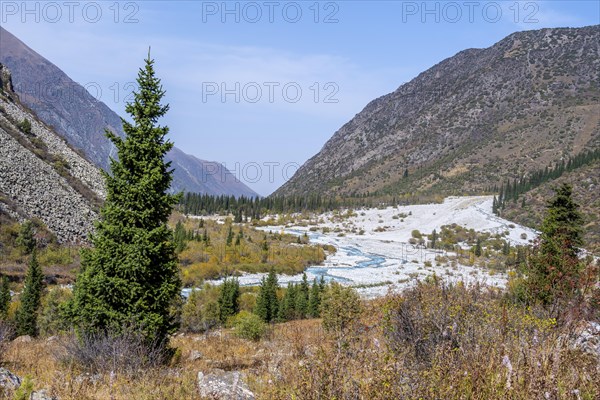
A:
(41, 176)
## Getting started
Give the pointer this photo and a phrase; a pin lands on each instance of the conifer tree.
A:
(267, 304)
(130, 276)
(287, 311)
(434, 238)
(180, 237)
(26, 239)
(302, 298)
(229, 299)
(30, 298)
(506, 248)
(478, 251)
(322, 284)
(4, 296)
(554, 268)
(314, 301)
(229, 236)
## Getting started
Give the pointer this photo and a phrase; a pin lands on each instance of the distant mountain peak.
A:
(81, 119)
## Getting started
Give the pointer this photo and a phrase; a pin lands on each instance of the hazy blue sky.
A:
(257, 83)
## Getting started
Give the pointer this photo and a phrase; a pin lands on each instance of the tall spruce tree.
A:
(554, 267)
(130, 276)
(287, 306)
(30, 298)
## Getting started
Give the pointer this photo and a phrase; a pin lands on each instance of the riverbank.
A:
(374, 249)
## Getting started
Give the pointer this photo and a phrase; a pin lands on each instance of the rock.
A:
(12, 382)
(224, 385)
(23, 339)
(41, 395)
(52, 339)
(588, 339)
(195, 355)
(87, 377)
(8, 380)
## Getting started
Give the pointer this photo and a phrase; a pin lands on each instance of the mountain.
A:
(81, 119)
(41, 176)
(469, 123)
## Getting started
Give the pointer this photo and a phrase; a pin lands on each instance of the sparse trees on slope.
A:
(130, 275)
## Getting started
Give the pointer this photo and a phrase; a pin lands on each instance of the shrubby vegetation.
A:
(249, 326)
(210, 249)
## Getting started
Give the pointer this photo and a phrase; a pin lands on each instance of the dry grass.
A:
(41, 360)
(432, 342)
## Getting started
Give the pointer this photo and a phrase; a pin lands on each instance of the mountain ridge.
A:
(438, 127)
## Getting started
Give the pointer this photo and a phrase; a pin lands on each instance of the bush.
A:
(24, 391)
(123, 352)
(249, 326)
(6, 334)
(55, 255)
(340, 308)
(416, 234)
(201, 310)
(25, 126)
(51, 320)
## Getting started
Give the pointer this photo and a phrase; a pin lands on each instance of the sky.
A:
(260, 86)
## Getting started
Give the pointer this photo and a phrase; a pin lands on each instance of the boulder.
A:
(8, 380)
(195, 355)
(588, 339)
(41, 395)
(23, 339)
(224, 385)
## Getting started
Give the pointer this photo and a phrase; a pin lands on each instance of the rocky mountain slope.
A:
(81, 119)
(470, 122)
(41, 176)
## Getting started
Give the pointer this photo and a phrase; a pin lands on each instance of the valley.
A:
(443, 243)
(376, 250)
